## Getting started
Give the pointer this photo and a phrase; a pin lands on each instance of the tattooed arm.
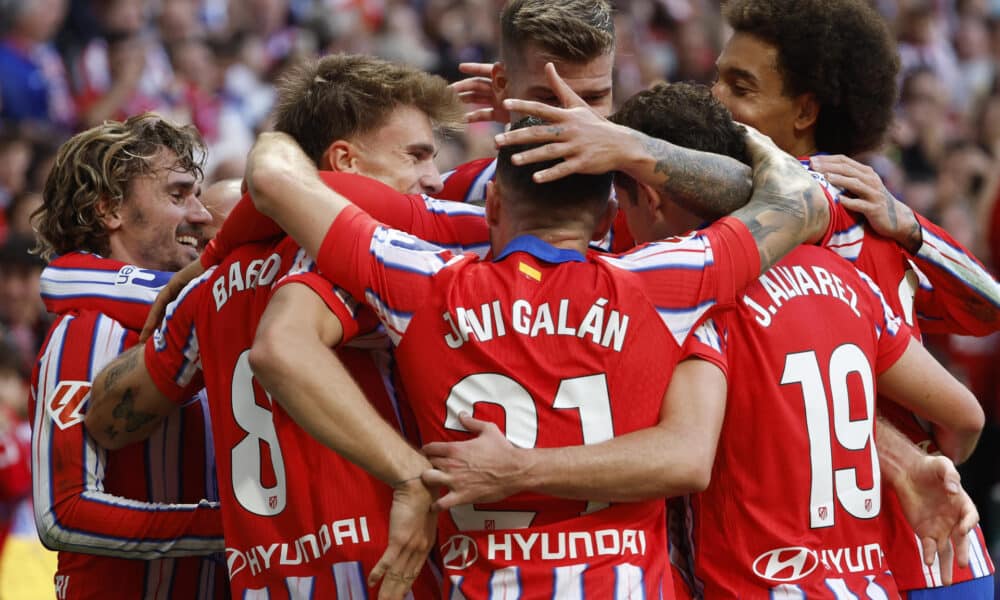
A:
(787, 206)
(125, 405)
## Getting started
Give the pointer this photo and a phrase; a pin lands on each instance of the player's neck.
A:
(565, 237)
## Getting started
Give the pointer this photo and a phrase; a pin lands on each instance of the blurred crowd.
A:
(66, 65)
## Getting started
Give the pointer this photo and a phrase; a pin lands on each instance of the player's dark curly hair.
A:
(839, 50)
(566, 194)
(685, 114)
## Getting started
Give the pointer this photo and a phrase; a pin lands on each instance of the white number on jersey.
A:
(258, 423)
(587, 394)
(803, 368)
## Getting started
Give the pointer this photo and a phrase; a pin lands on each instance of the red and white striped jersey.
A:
(941, 288)
(107, 510)
(558, 349)
(801, 519)
(300, 521)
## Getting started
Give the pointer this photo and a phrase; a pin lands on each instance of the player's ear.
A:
(649, 199)
(110, 213)
(499, 80)
(808, 111)
(493, 201)
(340, 156)
(604, 221)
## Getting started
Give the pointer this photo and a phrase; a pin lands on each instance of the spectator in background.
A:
(124, 70)
(22, 314)
(15, 159)
(33, 83)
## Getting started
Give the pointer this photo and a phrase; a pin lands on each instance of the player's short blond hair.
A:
(575, 31)
(342, 96)
(92, 174)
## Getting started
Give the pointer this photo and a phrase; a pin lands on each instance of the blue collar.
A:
(540, 250)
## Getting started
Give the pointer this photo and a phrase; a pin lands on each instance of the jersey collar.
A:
(540, 250)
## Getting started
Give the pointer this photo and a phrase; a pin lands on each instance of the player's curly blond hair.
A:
(92, 174)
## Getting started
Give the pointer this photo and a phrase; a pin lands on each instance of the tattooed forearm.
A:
(125, 363)
(709, 185)
(785, 209)
(125, 410)
(914, 237)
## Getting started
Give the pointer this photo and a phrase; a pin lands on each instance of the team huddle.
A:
(654, 353)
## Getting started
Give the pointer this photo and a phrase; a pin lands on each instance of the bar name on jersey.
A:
(565, 544)
(258, 272)
(783, 283)
(602, 325)
(304, 549)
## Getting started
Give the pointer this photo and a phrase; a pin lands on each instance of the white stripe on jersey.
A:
(455, 209)
(256, 594)
(691, 252)
(629, 582)
(69, 283)
(874, 591)
(192, 360)
(977, 561)
(680, 321)
(399, 250)
(396, 323)
(892, 321)
(938, 252)
(505, 584)
(48, 379)
(848, 243)
(159, 336)
(300, 588)
(456, 590)
(708, 334)
(569, 582)
(932, 573)
(350, 580)
(840, 590)
(787, 591)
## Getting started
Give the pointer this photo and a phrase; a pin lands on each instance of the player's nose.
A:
(430, 182)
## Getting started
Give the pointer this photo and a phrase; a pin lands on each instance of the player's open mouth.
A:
(187, 240)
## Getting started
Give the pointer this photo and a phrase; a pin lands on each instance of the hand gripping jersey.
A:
(300, 521)
(557, 349)
(793, 507)
(107, 510)
(941, 288)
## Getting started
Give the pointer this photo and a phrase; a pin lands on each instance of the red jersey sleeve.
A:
(172, 354)
(893, 334)
(707, 343)
(336, 298)
(449, 224)
(957, 294)
(73, 512)
(687, 276)
(467, 182)
(391, 270)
